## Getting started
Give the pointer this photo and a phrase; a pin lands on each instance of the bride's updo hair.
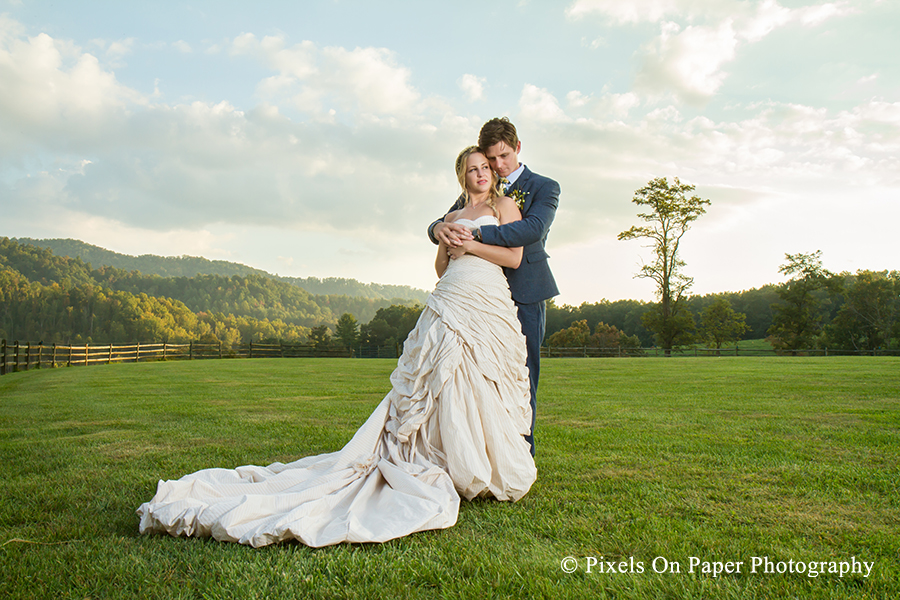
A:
(494, 192)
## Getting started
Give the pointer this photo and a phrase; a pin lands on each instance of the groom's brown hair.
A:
(496, 131)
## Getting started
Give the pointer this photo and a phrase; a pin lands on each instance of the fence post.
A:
(3, 357)
(27, 355)
(69, 359)
(250, 352)
(109, 356)
(53, 355)
(191, 350)
(16, 356)
(87, 353)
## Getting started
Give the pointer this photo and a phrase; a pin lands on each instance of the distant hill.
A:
(352, 287)
(148, 264)
(192, 266)
(58, 298)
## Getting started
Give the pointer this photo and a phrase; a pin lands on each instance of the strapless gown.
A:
(452, 425)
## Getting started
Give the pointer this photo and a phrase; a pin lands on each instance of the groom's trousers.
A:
(534, 323)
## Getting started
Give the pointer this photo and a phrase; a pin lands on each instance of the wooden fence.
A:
(17, 356)
(589, 352)
(22, 357)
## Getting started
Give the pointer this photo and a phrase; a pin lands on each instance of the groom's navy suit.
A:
(532, 283)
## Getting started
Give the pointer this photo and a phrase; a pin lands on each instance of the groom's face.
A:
(504, 159)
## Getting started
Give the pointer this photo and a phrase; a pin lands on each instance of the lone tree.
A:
(671, 213)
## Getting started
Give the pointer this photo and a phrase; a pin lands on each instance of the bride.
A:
(452, 424)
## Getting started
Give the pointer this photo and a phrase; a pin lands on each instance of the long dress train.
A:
(452, 424)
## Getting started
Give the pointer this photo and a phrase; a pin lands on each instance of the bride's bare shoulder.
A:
(452, 216)
(508, 209)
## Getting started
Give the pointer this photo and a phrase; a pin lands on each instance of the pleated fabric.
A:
(452, 425)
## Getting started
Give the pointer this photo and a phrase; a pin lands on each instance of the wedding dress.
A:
(452, 424)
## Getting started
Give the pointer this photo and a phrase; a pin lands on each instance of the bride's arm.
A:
(505, 257)
(443, 257)
(442, 260)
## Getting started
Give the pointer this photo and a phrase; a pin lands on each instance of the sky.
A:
(317, 138)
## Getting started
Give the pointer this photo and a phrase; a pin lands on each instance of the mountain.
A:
(192, 266)
(57, 298)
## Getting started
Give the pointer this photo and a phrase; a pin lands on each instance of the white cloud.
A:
(687, 61)
(652, 11)
(472, 86)
(768, 17)
(814, 15)
(111, 153)
(698, 38)
(539, 104)
(635, 11)
(47, 86)
(868, 78)
(367, 80)
(117, 50)
(182, 46)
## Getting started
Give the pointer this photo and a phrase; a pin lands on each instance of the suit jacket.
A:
(532, 281)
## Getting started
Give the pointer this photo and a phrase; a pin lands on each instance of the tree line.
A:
(814, 309)
(44, 297)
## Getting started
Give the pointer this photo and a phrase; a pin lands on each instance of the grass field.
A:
(642, 463)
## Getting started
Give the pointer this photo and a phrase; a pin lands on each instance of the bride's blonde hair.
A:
(493, 193)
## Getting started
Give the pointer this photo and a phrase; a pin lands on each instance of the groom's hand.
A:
(452, 234)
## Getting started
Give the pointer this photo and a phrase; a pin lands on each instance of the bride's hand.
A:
(452, 234)
(457, 251)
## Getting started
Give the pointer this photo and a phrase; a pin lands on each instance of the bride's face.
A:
(478, 174)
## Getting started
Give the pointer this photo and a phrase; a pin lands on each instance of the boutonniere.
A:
(518, 196)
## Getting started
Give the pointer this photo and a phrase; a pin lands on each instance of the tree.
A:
(720, 324)
(869, 318)
(390, 325)
(606, 337)
(797, 323)
(575, 336)
(320, 336)
(671, 213)
(347, 330)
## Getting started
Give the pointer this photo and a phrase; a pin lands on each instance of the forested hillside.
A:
(57, 298)
(192, 266)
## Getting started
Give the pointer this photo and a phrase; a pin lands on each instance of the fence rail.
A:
(18, 356)
(589, 352)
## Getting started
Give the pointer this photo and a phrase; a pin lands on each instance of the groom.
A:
(532, 283)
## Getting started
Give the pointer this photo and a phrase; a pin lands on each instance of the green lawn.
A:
(642, 462)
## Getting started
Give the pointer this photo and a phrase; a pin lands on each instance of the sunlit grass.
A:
(721, 459)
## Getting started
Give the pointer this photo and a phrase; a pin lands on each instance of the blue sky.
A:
(317, 138)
